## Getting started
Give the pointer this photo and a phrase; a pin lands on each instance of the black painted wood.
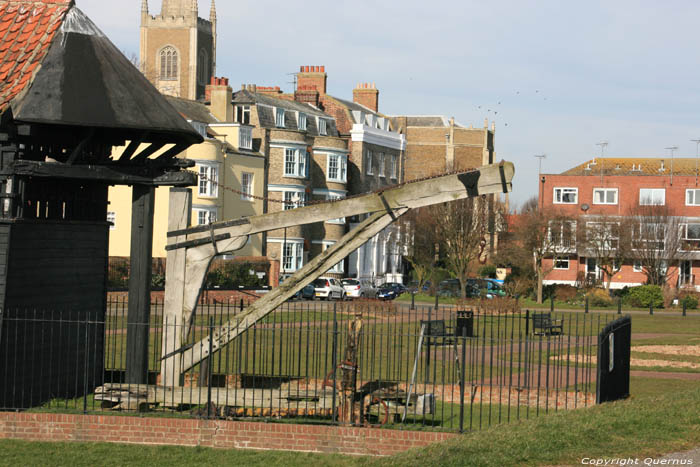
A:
(142, 210)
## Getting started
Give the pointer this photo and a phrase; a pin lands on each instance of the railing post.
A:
(462, 379)
(527, 322)
(619, 306)
(551, 303)
(413, 301)
(586, 304)
(436, 300)
(210, 366)
(335, 361)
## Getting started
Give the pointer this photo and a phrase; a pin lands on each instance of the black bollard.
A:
(413, 301)
(651, 308)
(436, 300)
(619, 306)
(685, 308)
(586, 304)
(551, 303)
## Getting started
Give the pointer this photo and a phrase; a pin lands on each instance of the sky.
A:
(557, 77)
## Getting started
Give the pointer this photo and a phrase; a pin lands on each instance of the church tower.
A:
(178, 48)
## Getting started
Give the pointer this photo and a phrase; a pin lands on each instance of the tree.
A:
(421, 247)
(607, 239)
(655, 238)
(544, 233)
(460, 230)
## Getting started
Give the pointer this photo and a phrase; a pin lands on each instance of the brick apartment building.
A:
(616, 188)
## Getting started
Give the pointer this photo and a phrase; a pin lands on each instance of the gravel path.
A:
(687, 456)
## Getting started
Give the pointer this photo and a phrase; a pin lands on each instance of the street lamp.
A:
(672, 149)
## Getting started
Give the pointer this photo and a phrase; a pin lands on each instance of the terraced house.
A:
(629, 221)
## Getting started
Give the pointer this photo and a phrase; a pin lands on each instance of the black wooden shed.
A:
(67, 97)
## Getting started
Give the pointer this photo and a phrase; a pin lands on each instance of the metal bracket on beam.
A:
(200, 242)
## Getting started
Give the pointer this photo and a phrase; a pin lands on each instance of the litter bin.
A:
(465, 324)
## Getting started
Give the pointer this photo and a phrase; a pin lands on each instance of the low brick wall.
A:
(213, 433)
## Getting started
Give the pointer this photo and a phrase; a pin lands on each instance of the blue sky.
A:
(566, 74)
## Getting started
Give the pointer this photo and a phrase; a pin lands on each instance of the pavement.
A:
(687, 456)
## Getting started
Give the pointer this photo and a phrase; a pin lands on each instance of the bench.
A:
(543, 324)
(436, 329)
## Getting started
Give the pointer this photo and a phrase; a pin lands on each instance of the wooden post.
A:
(179, 217)
(142, 207)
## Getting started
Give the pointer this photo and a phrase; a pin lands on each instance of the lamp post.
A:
(672, 149)
(603, 145)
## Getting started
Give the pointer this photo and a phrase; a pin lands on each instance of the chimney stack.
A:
(312, 77)
(307, 95)
(366, 94)
(220, 96)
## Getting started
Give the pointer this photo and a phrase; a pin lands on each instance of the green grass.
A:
(644, 426)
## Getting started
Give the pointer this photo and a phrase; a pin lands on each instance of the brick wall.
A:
(213, 434)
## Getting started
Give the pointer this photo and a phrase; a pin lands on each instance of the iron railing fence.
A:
(343, 363)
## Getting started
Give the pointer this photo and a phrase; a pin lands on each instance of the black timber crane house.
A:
(67, 97)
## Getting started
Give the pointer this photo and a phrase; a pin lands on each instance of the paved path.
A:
(687, 456)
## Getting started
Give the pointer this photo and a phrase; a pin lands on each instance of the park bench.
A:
(543, 324)
(436, 329)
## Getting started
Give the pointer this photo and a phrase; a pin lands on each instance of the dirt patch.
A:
(682, 350)
(634, 362)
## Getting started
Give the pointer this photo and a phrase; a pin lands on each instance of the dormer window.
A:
(302, 121)
(243, 114)
(245, 138)
(322, 127)
(200, 128)
(279, 118)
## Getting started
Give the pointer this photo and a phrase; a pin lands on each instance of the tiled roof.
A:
(26, 31)
(192, 110)
(636, 166)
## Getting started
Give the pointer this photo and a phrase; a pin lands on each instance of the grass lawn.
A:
(644, 426)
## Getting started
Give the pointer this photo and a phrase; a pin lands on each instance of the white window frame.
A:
(247, 180)
(296, 163)
(557, 260)
(637, 266)
(208, 180)
(302, 121)
(297, 198)
(243, 114)
(338, 268)
(692, 197)
(205, 215)
(280, 121)
(605, 192)
(382, 165)
(369, 170)
(685, 231)
(334, 197)
(245, 138)
(292, 255)
(639, 230)
(112, 219)
(650, 201)
(394, 166)
(565, 191)
(560, 228)
(341, 168)
(322, 126)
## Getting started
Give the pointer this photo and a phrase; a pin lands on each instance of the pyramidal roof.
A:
(57, 67)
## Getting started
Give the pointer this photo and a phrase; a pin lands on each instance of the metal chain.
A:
(325, 201)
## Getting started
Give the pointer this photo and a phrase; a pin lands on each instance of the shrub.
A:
(645, 295)
(488, 271)
(599, 297)
(565, 293)
(690, 300)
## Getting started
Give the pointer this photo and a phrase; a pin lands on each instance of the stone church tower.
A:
(178, 48)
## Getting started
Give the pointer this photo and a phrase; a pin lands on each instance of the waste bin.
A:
(465, 324)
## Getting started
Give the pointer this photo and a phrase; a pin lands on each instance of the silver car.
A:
(328, 288)
(359, 288)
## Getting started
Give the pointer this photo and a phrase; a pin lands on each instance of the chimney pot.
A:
(301, 69)
(306, 69)
(323, 69)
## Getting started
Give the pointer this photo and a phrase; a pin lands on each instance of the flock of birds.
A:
(495, 109)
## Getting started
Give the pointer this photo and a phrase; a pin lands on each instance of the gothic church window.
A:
(203, 67)
(168, 63)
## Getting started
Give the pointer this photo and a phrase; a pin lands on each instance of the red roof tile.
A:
(26, 29)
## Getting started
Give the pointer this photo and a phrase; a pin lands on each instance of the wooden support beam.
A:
(306, 275)
(131, 149)
(113, 174)
(138, 318)
(148, 152)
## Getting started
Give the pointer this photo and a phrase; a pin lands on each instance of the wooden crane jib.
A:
(191, 250)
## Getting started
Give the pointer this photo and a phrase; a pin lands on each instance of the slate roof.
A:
(427, 121)
(266, 113)
(192, 110)
(60, 69)
(635, 166)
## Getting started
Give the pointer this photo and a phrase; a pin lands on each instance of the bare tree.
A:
(545, 233)
(607, 239)
(655, 240)
(460, 229)
(421, 247)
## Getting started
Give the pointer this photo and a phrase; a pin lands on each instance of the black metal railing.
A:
(357, 363)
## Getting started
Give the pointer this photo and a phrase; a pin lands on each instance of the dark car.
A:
(307, 293)
(413, 287)
(390, 290)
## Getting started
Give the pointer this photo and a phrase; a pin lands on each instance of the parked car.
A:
(390, 290)
(357, 288)
(307, 293)
(328, 288)
(413, 287)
